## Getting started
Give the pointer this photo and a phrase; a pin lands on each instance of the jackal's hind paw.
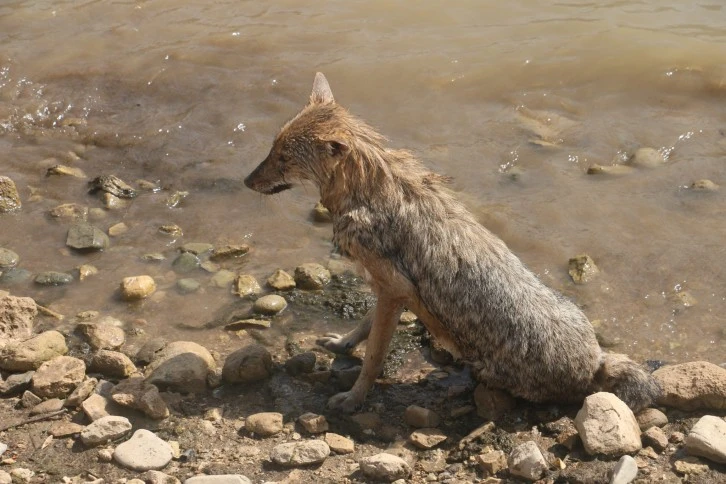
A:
(346, 402)
(335, 343)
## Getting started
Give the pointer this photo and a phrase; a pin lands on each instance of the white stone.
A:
(625, 470)
(384, 467)
(105, 429)
(300, 453)
(527, 461)
(219, 479)
(143, 451)
(708, 439)
(607, 426)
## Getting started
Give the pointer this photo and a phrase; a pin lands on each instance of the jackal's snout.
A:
(267, 179)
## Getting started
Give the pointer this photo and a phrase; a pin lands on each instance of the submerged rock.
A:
(83, 236)
(64, 170)
(311, 276)
(69, 211)
(647, 157)
(185, 262)
(9, 198)
(53, 278)
(246, 285)
(704, 185)
(8, 258)
(582, 269)
(102, 336)
(270, 304)
(229, 251)
(113, 185)
(137, 287)
(281, 281)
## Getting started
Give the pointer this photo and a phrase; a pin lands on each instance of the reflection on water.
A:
(515, 101)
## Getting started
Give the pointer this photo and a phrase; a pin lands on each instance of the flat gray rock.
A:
(300, 453)
(104, 430)
(708, 439)
(625, 470)
(143, 451)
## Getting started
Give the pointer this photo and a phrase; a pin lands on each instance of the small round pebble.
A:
(270, 304)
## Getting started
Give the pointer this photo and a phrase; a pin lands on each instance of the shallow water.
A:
(513, 100)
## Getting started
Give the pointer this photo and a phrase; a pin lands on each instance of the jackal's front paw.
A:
(347, 402)
(335, 343)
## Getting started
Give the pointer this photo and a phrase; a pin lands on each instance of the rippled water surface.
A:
(514, 100)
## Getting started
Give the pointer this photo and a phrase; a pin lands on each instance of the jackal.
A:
(420, 248)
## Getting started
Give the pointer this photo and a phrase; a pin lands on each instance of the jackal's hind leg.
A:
(344, 344)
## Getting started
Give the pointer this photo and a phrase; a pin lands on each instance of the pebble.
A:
(69, 211)
(102, 336)
(172, 230)
(300, 453)
(313, 423)
(112, 363)
(229, 251)
(82, 391)
(246, 285)
(281, 281)
(420, 417)
(143, 451)
(176, 198)
(16, 317)
(321, 214)
(210, 266)
(97, 407)
(651, 417)
(264, 424)
(247, 324)
(85, 271)
(647, 157)
(53, 278)
(64, 170)
(270, 304)
(301, 363)
(137, 287)
(187, 285)
(693, 385)
(29, 399)
(48, 406)
(708, 439)
(492, 403)
(20, 475)
(249, 364)
(58, 377)
(8, 258)
(140, 395)
(196, 248)
(704, 185)
(84, 236)
(65, 429)
(427, 438)
(690, 466)
(9, 198)
(104, 430)
(185, 262)
(181, 366)
(118, 229)
(385, 467)
(339, 444)
(655, 438)
(157, 477)
(30, 354)
(582, 269)
(153, 257)
(219, 479)
(527, 461)
(223, 278)
(625, 471)
(311, 276)
(607, 426)
(3, 448)
(492, 462)
(16, 383)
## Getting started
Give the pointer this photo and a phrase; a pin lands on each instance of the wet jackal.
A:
(421, 249)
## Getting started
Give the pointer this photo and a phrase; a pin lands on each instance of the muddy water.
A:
(514, 100)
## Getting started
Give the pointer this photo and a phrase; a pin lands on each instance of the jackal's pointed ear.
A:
(321, 90)
(337, 148)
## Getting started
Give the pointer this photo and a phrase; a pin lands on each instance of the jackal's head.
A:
(308, 147)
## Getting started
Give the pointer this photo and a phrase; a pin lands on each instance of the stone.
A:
(153, 257)
(313, 423)
(9, 198)
(625, 470)
(246, 365)
(5, 478)
(582, 269)
(684, 298)
(104, 430)
(300, 453)
(704, 185)
(420, 417)
(21, 475)
(150, 350)
(181, 366)
(526, 461)
(492, 462)
(384, 467)
(647, 157)
(31, 353)
(82, 391)
(196, 248)
(65, 170)
(270, 304)
(48, 406)
(301, 363)
(264, 424)
(281, 281)
(58, 377)
(14, 276)
(172, 230)
(693, 385)
(29, 399)
(137, 287)
(65, 429)
(16, 383)
(69, 211)
(157, 477)
(84, 236)
(655, 438)
(339, 444)
(113, 364)
(223, 278)
(143, 451)
(17, 315)
(102, 336)
(617, 170)
(311, 276)
(246, 285)
(53, 278)
(140, 395)
(708, 439)
(321, 214)
(187, 285)
(219, 479)
(690, 466)
(427, 438)
(112, 202)
(651, 417)
(118, 229)
(607, 426)
(229, 251)
(185, 262)
(492, 403)
(85, 271)
(97, 407)
(8, 258)
(248, 324)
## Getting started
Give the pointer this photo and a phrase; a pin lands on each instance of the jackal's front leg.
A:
(383, 324)
(344, 344)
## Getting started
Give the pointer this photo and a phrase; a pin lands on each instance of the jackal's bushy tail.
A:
(628, 380)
